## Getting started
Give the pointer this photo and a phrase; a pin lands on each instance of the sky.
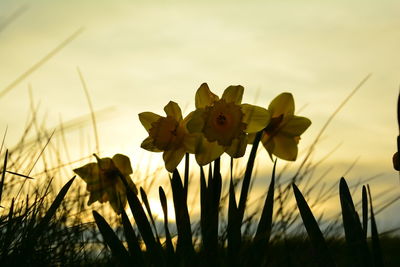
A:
(136, 56)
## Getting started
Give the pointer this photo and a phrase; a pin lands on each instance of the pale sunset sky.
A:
(138, 55)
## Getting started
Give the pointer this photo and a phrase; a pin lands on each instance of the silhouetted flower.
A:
(104, 181)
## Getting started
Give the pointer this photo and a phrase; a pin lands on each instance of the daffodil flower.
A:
(168, 134)
(103, 179)
(224, 123)
(282, 135)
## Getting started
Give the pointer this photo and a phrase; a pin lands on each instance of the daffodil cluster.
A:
(223, 125)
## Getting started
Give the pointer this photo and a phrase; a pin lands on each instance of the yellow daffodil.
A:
(224, 123)
(282, 135)
(168, 134)
(104, 182)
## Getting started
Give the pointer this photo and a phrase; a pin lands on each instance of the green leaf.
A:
(186, 177)
(118, 250)
(355, 240)
(147, 205)
(261, 238)
(143, 225)
(234, 224)
(364, 201)
(204, 209)
(168, 240)
(323, 256)
(132, 241)
(247, 177)
(53, 208)
(376, 244)
(184, 243)
(211, 214)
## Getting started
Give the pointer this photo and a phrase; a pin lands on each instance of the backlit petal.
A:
(196, 121)
(256, 118)
(208, 151)
(147, 118)
(172, 158)
(148, 144)
(250, 138)
(285, 147)
(295, 126)
(89, 173)
(123, 164)
(233, 93)
(238, 147)
(204, 97)
(282, 104)
(191, 142)
(115, 200)
(172, 109)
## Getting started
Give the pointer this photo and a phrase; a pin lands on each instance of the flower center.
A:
(274, 125)
(221, 119)
(166, 133)
(223, 122)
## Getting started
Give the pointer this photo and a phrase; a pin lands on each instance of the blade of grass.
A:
(327, 123)
(8, 20)
(3, 174)
(323, 256)
(40, 63)
(118, 250)
(92, 114)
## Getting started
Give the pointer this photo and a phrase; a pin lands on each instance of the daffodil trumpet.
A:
(168, 135)
(224, 123)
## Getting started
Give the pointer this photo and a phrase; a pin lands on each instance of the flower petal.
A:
(196, 122)
(191, 142)
(282, 104)
(268, 144)
(256, 118)
(123, 164)
(115, 200)
(148, 144)
(172, 109)
(238, 147)
(147, 118)
(233, 93)
(98, 195)
(295, 126)
(172, 158)
(89, 173)
(204, 97)
(208, 151)
(283, 147)
(250, 138)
